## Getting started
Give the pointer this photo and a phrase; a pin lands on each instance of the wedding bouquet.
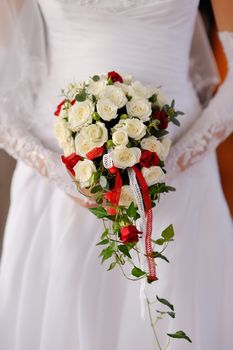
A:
(113, 134)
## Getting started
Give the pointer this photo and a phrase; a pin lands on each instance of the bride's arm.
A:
(22, 62)
(216, 121)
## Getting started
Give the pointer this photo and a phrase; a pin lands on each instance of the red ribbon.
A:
(118, 185)
(95, 152)
(149, 217)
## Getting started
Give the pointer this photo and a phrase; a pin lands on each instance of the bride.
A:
(53, 293)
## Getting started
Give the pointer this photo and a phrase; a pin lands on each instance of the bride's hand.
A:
(89, 202)
(83, 203)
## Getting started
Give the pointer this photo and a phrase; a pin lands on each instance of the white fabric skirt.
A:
(55, 295)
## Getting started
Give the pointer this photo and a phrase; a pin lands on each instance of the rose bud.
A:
(111, 196)
(71, 161)
(114, 76)
(162, 117)
(112, 170)
(111, 211)
(129, 234)
(149, 159)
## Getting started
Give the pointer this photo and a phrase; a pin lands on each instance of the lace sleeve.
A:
(23, 65)
(213, 126)
(22, 145)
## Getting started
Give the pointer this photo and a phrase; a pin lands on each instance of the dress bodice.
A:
(149, 39)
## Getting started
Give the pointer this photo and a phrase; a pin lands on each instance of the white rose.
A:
(120, 137)
(80, 114)
(64, 137)
(116, 95)
(136, 129)
(140, 108)
(127, 196)
(127, 78)
(152, 144)
(83, 145)
(124, 157)
(153, 175)
(68, 147)
(62, 132)
(161, 98)
(120, 125)
(166, 145)
(124, 87)
(138, 90)
(84, 171)
(96, 87)
(97, 134)
(106, 109)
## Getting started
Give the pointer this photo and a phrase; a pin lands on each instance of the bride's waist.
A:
(153, 63)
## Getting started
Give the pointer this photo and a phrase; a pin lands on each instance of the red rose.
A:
(96, 152)
(162, 117)
(149, 159)
(129, 234)
(59, 107)
(73, 102)
(114, 76)
(71, 161)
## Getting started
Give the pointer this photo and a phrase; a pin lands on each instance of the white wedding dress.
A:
(54, 294)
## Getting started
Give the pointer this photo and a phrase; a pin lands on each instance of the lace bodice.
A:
(149, 39)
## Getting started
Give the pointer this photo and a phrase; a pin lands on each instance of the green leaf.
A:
(96, 189)
(175, 121)
(100, 212)
(112, 265)
(159, 255)
(168, 233)
(131, 211)
(180, 113)
(170, 313)
(159, 241)
(116, 227)
(136, 272)
(81, 96)
(179, 335)
(96, 78)
(124, 249)
(107, 253)
(158, 188)
(153, 98)
(165, 302)
(103, 182)
(103, 242)
(171, 189)
(105, 233)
